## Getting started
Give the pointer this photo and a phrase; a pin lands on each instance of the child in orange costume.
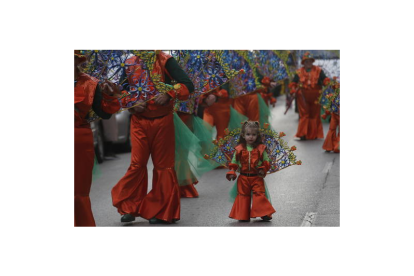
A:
(251, 157)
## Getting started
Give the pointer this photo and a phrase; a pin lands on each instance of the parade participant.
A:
(331, 107)
(251, 157)
(306, 85)
(152, 133)
(332, 139)
(102, 98)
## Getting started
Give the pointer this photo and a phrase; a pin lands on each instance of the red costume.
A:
(218, 114)
(250, 188)
(152, 133)
(307, 84)
(85, 97)
(332, 139)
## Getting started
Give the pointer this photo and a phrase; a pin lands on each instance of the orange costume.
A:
(307, 84)
(250, 186)
(218, 114)
(87, 96)
(152, 133)
(332, 139)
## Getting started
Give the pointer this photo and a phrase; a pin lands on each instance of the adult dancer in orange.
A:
(306, 84)
(152, 133)
(102, 98)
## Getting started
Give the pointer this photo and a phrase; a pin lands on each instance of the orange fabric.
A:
(156, 138)
(260, 205)
(255, 155)
(110, 104)
(332, 139)
(309, 79)
(84, 159)
(310, 124)
(218, 114)
(84, 93)
(248, 105)
(188, 191)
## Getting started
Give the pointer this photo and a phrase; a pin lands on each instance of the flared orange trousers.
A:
(153, 137)
(84, 160)
(251, 191)
(248, 105)
(310, 124)
(332, 139)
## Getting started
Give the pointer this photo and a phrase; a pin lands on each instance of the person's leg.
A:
(128, 193)
(252, 107)
(163, 201)
(239, 104)
(241, 205)
(261, 206)
(315, 129)
(303, 115)
(84, 161)
(331, 138)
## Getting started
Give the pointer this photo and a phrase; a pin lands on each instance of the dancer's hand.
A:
(231, 176)
(162, 99)
(110, 89)
(261, 173)
(139, 108)
(210, 100)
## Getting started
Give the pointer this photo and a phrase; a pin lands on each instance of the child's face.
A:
(250, 135)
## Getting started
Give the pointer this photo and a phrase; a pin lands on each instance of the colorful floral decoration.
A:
(329, 97)
(271, 65)
(112, 65)
(280, 154)
(288, 60)
(206, 69)
(246, 83)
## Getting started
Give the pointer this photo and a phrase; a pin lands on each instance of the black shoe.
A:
(303, 138)
(266, 218)
(244, 220)
(127, 218)
(157, 221)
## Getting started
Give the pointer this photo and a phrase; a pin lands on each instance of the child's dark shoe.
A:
(244, 220)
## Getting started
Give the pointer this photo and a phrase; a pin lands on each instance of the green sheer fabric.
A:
(190, 163)
(235, 119)
(264, 111)
(96, 171)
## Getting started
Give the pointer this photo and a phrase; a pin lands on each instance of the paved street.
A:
(306, 195)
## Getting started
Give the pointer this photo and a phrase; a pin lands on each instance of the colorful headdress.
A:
(306, 56)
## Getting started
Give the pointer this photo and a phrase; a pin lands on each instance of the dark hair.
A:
(250, 124)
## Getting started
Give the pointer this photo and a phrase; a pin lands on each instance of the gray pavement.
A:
(312, 187)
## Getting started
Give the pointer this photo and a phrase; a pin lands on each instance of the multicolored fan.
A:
(270, 65)
(113, 65)
(206, 69)
(244, 83)
(280, 154)
(289, 61)
(329, 98)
